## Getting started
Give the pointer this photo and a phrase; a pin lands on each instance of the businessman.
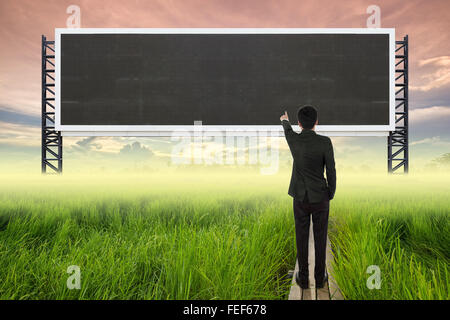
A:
(311, 192)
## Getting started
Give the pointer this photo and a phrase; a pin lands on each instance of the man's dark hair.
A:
(307, 116)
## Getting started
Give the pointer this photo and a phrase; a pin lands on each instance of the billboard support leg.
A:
(397, 141)
(51, 143)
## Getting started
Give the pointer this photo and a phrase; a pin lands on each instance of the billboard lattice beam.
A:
(397, 141)
(51, 144)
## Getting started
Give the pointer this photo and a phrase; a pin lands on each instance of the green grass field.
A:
(215, 236)
(400, 224)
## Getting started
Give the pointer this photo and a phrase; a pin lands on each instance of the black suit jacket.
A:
(311, 153)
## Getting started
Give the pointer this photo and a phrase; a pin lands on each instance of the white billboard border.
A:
(169, 130)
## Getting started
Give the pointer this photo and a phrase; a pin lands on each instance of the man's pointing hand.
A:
(284, 116)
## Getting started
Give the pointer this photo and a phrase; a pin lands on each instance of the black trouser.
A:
(319, 211)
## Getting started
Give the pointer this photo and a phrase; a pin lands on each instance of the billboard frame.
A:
(212, 130)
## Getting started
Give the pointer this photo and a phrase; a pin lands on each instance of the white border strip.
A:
(183, 133)
(164, 130)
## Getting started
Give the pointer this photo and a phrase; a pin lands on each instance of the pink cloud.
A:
(23, 21)
(435, 73)
(427, 115)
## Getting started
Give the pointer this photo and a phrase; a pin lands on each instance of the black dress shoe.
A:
(302, 283)
(321, 284)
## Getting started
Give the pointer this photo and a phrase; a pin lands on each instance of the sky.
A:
(22, 22)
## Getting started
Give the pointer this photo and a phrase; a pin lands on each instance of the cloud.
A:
(136, 151)
(436, 113)
(434, 74)
(95, 145)
(86, 145)
(23, 21)
(19, 118)
(429, 122)
(19, 134)
(443, 61)
(433, 141)
(431, 83)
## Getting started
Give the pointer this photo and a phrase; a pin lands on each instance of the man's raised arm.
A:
(288, 132)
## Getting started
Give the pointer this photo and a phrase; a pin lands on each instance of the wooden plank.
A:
(323, 293)
(296, 291)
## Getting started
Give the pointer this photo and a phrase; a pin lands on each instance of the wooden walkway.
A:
(329, 292)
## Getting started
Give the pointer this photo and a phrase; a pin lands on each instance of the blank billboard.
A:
(160, 80)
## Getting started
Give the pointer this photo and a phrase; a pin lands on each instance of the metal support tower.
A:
(397, 141)
(51, 139)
